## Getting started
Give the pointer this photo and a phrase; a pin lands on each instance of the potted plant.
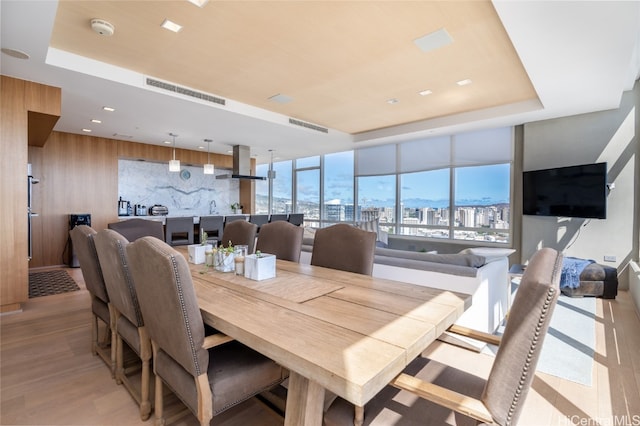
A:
(198, 252)
(224, 258)
(237, 208)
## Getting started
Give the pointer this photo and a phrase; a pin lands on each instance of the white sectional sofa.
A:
(481, 272)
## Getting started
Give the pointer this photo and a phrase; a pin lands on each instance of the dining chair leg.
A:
(94, 335)
(113, 317)
(145, 356)
(159, 408)
(119, 368)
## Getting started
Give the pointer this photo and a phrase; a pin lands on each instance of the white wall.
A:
(609, 136)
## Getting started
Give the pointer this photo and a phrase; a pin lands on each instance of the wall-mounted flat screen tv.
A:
(575, 191)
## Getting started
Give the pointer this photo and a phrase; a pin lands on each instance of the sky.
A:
(482, 185)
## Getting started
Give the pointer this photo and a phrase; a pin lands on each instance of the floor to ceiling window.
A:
(307, 189)
(338, 205)
(424, 203)
(454, 187)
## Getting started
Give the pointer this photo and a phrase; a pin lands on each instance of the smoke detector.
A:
(102, 27)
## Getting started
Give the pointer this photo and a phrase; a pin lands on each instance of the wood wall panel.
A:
(43, 99)
(40, 127)
(13, 192)
(79, 174)
(44, 104)
(139, 151)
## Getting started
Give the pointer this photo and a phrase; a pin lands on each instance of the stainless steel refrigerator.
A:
(30, 214)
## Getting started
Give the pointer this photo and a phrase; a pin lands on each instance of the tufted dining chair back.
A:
(514, 367)
(82, 237)
(240, 232)
(208, 378)
(132, 229)
(282, 239)
(129, 324)
(428, 392)
(344, 247)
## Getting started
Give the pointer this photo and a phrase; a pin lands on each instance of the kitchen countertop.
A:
(196, 219)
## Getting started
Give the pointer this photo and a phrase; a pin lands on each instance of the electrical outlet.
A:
(609, 258)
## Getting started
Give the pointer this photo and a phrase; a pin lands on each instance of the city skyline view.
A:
(478, 205)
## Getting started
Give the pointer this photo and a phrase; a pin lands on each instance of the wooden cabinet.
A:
(21, 102)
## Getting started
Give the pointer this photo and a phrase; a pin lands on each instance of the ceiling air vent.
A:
(185, 91)
(308, 125)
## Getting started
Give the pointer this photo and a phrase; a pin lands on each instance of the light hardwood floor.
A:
(48, 375)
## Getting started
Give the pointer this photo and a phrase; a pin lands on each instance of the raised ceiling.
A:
(339, 62)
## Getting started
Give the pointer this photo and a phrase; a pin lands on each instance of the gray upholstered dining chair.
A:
(82, 237)
(132, 229)
(426, 392)
(344, 247)
(128, 322)
(282, 239)
(209, 373)
(179, 230)
(240, 232)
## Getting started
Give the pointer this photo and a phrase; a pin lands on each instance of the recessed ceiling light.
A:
(168, 142)
(281, 99)
(15, 53)
(199, 3)
(93, 120)
(425, 92)
(464, 82)
(106, 108)
(201, 147)
(433, 40)
(392, 101)
(86, 130)
(171, 26)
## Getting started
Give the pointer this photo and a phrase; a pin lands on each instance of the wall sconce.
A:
(174, 165)
(208, 168)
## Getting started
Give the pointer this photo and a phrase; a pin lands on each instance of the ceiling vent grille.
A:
(308, 125)
(184, 91)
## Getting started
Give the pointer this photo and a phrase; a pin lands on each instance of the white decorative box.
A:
(260, 267)
(197, 252)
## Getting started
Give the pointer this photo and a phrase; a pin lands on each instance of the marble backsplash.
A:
(187, 193)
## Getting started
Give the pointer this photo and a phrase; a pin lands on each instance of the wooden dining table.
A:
(347, 333)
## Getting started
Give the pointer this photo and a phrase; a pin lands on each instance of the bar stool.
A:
(275, 217)
(296, 218)
(179, 231)
(259, 219)
(213, 226)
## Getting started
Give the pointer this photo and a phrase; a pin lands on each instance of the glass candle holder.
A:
(240, 253)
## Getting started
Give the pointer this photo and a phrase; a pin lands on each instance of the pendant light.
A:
(174, 165)
(208, 168)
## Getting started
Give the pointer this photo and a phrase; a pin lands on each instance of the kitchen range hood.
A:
(241, 165)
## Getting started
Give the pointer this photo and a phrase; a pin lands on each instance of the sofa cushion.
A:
(489, 253)
(421, 265)
(471, 260)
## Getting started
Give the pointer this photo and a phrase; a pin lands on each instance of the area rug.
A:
(50, 282)
(569, 346)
